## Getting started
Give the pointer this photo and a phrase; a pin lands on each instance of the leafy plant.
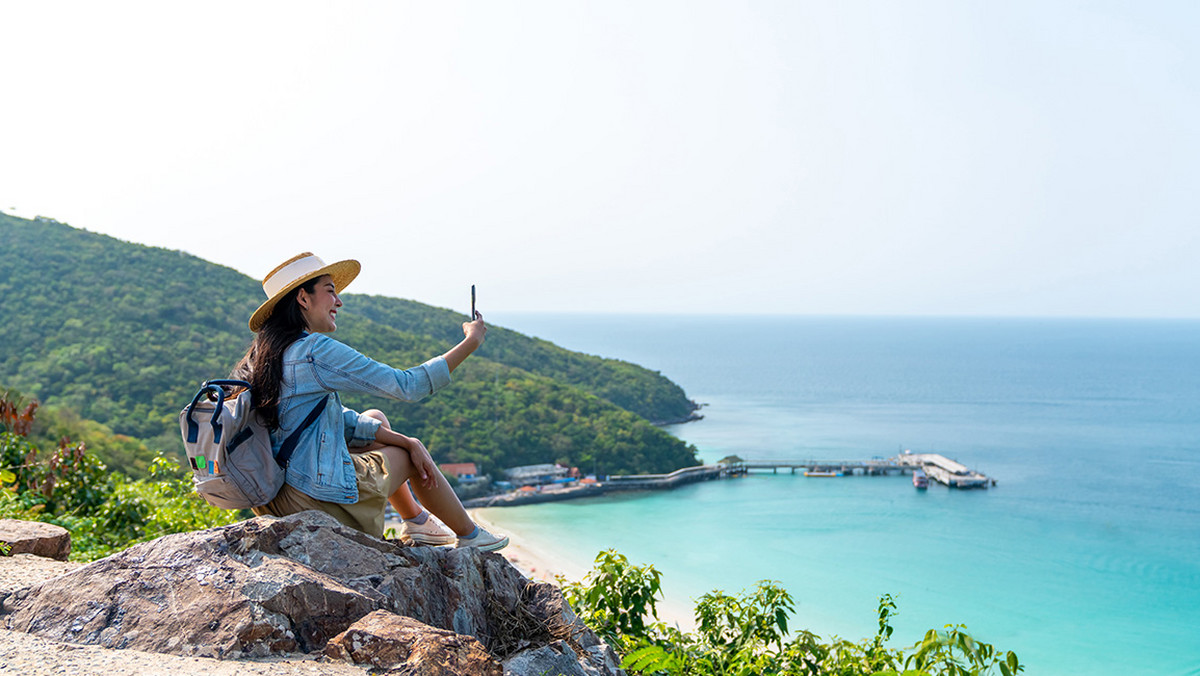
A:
(747, 634)
(955, 653)
(616, 597)
(16, 417)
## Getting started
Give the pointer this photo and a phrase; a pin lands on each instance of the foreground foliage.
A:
(747, 634)
(104, 511)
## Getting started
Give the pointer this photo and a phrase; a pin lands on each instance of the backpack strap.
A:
(289, 444)
(211, 387)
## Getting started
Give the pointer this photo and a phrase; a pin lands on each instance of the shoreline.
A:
(538, 563)
(541, 562)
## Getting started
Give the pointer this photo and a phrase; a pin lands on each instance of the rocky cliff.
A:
(306, 584)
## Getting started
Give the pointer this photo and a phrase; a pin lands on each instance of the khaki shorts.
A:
(365, 515)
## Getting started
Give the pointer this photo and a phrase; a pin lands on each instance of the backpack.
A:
(229, 447)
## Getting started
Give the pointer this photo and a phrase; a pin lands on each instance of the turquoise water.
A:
(1084, 559)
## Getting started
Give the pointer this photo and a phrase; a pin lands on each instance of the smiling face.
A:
(320, 307)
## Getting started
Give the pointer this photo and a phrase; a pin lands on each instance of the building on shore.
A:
(537, 475)
(463, 471)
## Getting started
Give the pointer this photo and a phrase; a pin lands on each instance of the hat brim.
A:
(342, 272)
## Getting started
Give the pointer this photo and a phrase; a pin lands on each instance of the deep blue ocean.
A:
(1084, 559)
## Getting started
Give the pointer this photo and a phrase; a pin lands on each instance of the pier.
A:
(876, 467)
(946, 471)
(679, 477)
(938, 467)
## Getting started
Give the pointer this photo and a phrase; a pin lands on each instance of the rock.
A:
(392, 642)
(269, 586)
(557, 658)
(593, 655)
(23, 570)
(37, 538)
(182, 594)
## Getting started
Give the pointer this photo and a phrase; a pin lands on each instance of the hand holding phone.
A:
(474, 328)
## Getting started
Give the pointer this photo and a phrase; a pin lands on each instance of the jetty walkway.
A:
(679, 477)
(938, 467)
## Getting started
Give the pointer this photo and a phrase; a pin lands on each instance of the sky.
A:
(701, 156)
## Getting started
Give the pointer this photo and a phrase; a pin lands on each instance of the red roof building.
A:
(459, 470)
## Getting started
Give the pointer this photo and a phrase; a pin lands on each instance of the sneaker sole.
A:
(434, 540)
(500, 544)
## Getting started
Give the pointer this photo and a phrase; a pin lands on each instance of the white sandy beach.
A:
(538, 562)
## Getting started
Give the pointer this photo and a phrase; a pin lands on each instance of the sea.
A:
(1084, 558)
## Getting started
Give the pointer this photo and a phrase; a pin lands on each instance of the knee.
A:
(399, 467)
(378, 415)
(398, 458)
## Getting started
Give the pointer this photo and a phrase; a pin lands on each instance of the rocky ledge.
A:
(307, 584)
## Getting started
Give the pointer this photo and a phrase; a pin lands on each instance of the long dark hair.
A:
(262, 365)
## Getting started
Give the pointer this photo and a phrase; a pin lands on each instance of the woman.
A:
(347, 464)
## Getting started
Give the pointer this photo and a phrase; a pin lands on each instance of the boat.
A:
(920, 481)
(822, 471)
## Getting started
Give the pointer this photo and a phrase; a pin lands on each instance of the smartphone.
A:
(472, 302)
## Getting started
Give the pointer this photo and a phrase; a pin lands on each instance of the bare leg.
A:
(440, 500)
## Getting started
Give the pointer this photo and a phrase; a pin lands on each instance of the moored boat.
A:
(919, 479)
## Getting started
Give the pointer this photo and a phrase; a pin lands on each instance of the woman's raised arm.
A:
(473, 333)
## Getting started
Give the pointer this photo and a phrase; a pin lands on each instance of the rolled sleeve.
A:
(359, 428)
(439, 372)
(340, 368)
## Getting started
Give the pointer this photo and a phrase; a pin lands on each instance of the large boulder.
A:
(35, 537)
(270, 586)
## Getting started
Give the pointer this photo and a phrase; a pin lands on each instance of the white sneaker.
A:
(429, 533)
(484, 541)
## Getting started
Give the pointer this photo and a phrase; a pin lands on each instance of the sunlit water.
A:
(1084, 559)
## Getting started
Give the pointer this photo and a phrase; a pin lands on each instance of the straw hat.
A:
(296, 271)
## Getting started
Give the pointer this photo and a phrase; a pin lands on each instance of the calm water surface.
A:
(1084, 559)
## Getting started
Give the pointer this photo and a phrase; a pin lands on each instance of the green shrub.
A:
(747, 634)
(138, 511)
(616, 598)
(105, 512)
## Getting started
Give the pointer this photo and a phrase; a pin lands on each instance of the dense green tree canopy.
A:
(122, 334)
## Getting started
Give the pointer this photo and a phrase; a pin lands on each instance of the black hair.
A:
(262, 365)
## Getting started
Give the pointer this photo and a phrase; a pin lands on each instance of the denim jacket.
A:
(317, 366)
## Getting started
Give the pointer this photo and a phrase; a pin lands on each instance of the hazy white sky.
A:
(1014, 158)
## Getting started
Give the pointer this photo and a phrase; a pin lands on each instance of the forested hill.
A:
(122, 334)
